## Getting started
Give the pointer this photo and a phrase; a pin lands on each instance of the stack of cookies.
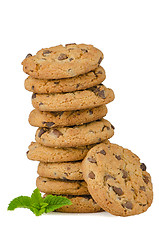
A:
(70, 103)
(76, 158)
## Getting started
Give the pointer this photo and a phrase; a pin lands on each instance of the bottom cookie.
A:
(80, 204)
(66, 187)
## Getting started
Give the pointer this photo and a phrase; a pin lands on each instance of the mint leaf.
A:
(36, 197)
(55, 202)
(20, 202)
(37, 204)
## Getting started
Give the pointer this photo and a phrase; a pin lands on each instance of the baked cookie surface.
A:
(80, 204)
(53, 119)
(80, 82)
(62, 61)
(75, 136)
(84, 99)
(51, 186)
(117, 180)
(38, 152)
(65, 171)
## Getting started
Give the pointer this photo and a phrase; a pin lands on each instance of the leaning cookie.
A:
(117, 180)
(75, 136)
(80, 204)
(62, 61)
(51, 186)
(53, 119)
(80, 82)
(38, 152)
(84, 99)
(64, 171)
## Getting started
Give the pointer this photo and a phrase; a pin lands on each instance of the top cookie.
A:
(62, 61)
(117, 180)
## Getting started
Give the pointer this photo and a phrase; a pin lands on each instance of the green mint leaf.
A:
(37, 212)
(20, 202)
(55, 202)
(36, 197)
(37, 204)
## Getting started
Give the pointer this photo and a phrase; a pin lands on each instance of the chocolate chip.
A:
(77, 85)
(125, 174)
(99, 72)
(143, 167)
(108, 128)
(70, 59)
(84, 50)
(107, 176)
(57, 133)
(69, 44)
(46, 52)
(28, 55)
(41, 104)
(100, 59)
(27, 152)
(112, 126)
(117, 190)
(118, 157)
(142, 188)
(102, 94)
(91, 175)
(49, 124)
(56, 82)
(90, 112)
(34, 95)
(102, 152)
(146, 179)
(32, 87)
(128, 205)
(92, 160)
(62, 56)
(41, 132)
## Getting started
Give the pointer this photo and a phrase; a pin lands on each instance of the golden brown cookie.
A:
(38, 152)
(69, 118)
(80, 82)
(66, 187)
(84, 99)
(75, 136)
(117, 181)
(64, 170)
(62, 61)
(80, 204)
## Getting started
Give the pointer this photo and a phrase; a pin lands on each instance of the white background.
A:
(127, 33)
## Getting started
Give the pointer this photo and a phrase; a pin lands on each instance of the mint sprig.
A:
(37, 204)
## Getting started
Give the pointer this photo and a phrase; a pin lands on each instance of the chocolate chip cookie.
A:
(80, 204)
(75, 136)
(51, 186)
(62, 61)
(38, 152)
(53, 119)
(117, 180)
(84, 99)
(80, 82)
(65, 171)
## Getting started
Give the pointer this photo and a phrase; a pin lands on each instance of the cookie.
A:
(80, 204)
(75, 136)
(51, 186)
(80, 82)
(62, 61)
(65, 171)
(84, 99)
(117, 180)
(38, 152)
(69, 118)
